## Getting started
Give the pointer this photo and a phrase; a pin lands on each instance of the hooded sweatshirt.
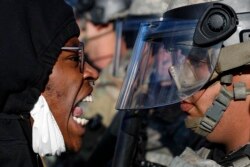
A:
(32, 33)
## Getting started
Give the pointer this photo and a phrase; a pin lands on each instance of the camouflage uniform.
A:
(190, 158)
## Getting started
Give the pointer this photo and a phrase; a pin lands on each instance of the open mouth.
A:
(78, 112)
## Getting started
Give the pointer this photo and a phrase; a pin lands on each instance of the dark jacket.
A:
(31, 35)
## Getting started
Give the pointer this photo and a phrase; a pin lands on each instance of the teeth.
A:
(81, 121)
(88, 99)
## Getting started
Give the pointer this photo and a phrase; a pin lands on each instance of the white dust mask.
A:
(47, 138)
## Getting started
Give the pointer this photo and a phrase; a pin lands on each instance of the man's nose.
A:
(90, 73)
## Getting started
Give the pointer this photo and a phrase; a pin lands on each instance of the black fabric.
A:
(32, 33)
(27, 131)
(15, 142)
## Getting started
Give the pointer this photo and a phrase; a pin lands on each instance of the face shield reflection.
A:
(192, 71)
(166, 67)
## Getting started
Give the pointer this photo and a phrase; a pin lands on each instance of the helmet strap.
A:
(215, 111)
(205, 125)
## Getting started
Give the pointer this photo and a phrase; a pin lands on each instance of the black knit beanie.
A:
(32, 33)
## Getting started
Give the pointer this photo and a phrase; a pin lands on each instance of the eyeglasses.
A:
(80, 50)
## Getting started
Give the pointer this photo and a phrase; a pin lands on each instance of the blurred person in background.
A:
(99, 31)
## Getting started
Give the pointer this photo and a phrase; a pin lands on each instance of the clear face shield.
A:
(174, 58)
(126, 32)
(166, 66)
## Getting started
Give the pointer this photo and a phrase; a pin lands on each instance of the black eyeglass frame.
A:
(80, 50)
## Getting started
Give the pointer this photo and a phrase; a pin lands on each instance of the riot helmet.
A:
(100, 11)
(176, 57)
